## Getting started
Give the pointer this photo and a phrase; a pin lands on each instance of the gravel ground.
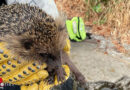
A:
(96, 65)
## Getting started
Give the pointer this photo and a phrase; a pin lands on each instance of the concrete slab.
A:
(96, 65)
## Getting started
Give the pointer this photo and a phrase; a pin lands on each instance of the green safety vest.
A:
(76, 29)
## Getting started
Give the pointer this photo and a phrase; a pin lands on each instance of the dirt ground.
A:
(96, 65)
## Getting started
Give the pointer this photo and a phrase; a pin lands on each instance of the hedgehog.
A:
(32, 34)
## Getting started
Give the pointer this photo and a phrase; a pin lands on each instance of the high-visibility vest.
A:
(76, 29)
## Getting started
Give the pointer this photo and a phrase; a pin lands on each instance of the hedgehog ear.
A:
(60, 21)
(61, 27)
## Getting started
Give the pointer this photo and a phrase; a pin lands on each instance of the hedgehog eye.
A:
(27, 44)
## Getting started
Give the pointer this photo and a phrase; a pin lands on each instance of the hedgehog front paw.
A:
(80, 78)
(50, 79)
(60, 72)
